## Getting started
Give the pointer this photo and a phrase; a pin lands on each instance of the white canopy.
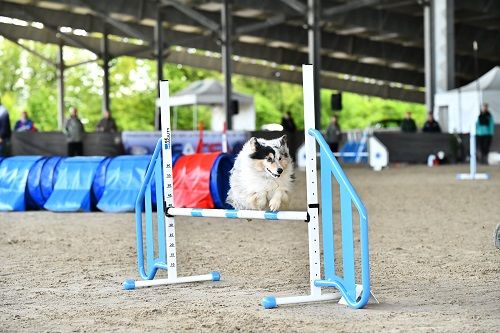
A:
(457, 109)
(207, 91)
(489, 81)
(211, 92)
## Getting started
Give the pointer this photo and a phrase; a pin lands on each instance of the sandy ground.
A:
(434, 266)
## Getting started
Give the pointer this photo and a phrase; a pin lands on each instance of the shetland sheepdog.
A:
(262, 176)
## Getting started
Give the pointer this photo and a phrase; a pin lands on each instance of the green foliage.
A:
(28, 83)
(362, 111)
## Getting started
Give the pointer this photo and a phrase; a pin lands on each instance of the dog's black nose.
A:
(280, 171)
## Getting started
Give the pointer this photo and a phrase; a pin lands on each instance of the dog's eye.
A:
(269, 159)
(285, 155)
(280, 158)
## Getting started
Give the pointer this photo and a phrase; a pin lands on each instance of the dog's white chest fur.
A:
(262, 176)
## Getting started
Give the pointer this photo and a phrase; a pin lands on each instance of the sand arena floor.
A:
(434, 266)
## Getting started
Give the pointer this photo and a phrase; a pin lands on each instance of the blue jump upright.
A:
(352, 290)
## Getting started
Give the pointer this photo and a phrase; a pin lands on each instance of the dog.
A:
(262, 176)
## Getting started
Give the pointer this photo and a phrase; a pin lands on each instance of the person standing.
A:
(107, 124)
(74, 131)
(333, 135)
(5, 131)
(288, 123)
(408, 124)
(431, 126)
(485, 127)
(24, 124)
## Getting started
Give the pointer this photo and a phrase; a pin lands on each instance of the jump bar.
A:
(238, 214)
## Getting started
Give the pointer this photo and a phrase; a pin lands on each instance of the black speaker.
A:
(235, 106)
(336, 102)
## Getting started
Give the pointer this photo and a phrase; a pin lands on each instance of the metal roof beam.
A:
(249, 28)
(347, 7)
(35, 53)
(195, 15)
(296, 5)
(127, 29)
(268, 72)
(328, 81)
(55, 29)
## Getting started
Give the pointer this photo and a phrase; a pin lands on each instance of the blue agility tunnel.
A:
(124, 176)
(72, 190)
(100, 179)
(219, 180)
(14, 173)
(48, 177)
(110, 184)
(34, 199)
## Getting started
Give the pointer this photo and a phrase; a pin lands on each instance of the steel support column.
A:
(314, 46)
(60, 87)
(429, 50)
(105, 68)
(226, 59)
(159, 61)
(444, 41)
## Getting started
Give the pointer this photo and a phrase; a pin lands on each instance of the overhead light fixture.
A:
(351, 31)
(386, 36)
(371, 60)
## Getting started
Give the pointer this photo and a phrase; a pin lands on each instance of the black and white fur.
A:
(262, 176)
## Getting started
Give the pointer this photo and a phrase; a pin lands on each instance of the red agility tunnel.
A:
(202, 180)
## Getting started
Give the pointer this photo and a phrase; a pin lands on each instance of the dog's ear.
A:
(283, 140)
(254, 144)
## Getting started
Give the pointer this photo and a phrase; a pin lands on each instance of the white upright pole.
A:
(224, 138)
(168, 179)
(311, 179)
(472, 149)
(473, 175)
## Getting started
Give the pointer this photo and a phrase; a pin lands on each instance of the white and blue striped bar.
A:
(238, 214)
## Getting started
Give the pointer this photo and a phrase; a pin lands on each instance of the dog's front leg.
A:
(257, 201)
(278, 199)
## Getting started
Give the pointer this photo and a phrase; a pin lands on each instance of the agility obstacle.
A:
(473, 174)
(353, 290)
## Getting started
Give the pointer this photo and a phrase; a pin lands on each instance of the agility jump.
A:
(352, 290)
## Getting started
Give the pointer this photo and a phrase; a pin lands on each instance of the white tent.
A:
(457, 109)
(210, 92)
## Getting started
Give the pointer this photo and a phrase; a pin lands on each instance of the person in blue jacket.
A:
(24, 124)
(485, 127)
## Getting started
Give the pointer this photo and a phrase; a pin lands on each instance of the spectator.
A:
(107, 124)
(485, 127)
(333, 135)
(24, 124)
(74, 131)
(408, 124)
(5, 131)
(288, 123)
(431, 126)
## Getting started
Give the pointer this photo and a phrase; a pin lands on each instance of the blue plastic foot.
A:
(129, 284)
(215, 276)
(269, 302)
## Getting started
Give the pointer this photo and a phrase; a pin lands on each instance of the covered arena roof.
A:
(372, 47)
